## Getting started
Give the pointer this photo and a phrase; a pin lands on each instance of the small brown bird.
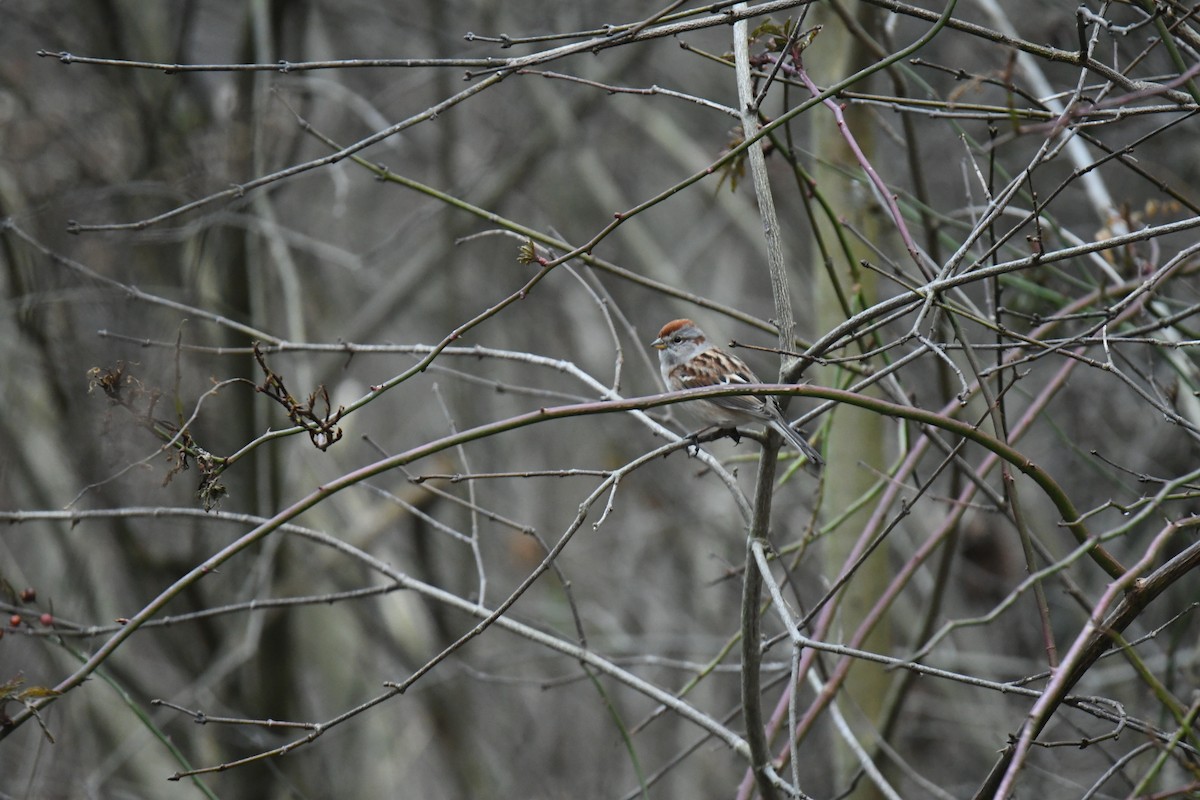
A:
(688, 360)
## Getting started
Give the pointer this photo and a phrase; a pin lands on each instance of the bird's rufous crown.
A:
(673, 326)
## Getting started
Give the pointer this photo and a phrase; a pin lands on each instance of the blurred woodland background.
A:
(286, 284)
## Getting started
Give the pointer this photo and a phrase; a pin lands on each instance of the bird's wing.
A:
(714, 369)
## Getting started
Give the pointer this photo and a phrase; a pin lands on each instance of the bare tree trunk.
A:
(855, 438)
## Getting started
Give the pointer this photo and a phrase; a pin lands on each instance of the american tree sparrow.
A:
(688, 360)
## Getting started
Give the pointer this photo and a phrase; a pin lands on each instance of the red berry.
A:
(15, 620)
(46, 619)
(28, 595)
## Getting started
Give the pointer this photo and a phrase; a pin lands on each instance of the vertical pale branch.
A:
(784, 318)
(752, 588)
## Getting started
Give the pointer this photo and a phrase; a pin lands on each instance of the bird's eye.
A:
(677, 339)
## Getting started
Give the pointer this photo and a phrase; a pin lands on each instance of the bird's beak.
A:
(659, 344)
